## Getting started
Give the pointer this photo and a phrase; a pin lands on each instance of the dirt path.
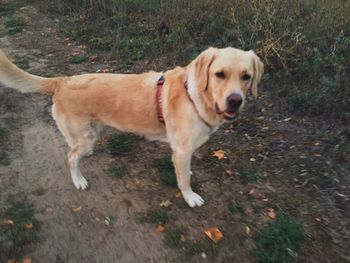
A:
(74, 227)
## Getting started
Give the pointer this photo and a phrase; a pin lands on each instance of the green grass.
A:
(14, 25)
(78, 59)
(166, 172)
(117, 171)
(7, 9)
(25, 227)
(120, 143)
(235, 207)
(22, 62)
(279, 242)
(158, 216)
(249, 176)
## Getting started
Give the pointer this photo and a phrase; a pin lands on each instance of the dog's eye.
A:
(246, 77)
(220, 74)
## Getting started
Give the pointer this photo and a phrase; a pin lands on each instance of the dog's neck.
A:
(205, 112)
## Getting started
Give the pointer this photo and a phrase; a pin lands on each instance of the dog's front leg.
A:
(182, 163)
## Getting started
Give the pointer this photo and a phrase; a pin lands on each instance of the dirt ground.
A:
(294, 155)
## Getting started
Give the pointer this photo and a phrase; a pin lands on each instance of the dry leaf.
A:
(77, 209)
(214, 234)
(252, 191)
(318, 219)
(271, 213)
(29, 226)
(220, 154)
(287, 119)
(160, 229)
(165, 203)
(182, 237)
(178, 194)
(247, 230)
(26, 260)
(8, 222)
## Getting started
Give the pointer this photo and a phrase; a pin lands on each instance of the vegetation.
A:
(18, 225)
(118, 171)
(120, 143)
(304, 44)
(166, 172)
(279, 242)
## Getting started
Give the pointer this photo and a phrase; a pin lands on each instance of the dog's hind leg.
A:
(88, 135)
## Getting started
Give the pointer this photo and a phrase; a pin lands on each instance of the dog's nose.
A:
(234, 101)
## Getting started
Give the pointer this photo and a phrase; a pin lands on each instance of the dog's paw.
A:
(80, 182)
(193, 199)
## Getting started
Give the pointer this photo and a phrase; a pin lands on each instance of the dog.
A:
(182, 106)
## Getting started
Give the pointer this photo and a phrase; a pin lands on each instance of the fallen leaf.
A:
(287, 119)
(252, 159)
(182, 237)
(178, 194)
(26, 260)
(77, 209)
(220, 154)
(160, 229)
(252, 191)
(214, 234)
(8, 222)
(318, 219)
(165, 203)
(29, 226)
(92, 58)
(271, 213)
(247, 230)
(265, 199)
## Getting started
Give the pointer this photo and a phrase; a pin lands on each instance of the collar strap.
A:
(160, 83)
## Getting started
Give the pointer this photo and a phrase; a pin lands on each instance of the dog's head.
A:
(222, 78)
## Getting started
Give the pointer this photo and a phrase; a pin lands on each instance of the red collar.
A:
(160, 83)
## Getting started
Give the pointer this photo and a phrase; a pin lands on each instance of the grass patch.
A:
(22, 62)
(175, 239)
(280, 241)
(166, 172)
(158, 216)
(120, 143)
(6, 9)
(249, 176)
(14, 25)
(18, 225)
(78, 59)
(117, 171)
(235, 207)
(4, 158)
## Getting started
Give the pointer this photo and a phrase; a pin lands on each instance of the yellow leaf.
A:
(165, 203)
(214, 234)
(178, 194)
(220, 154)
(271, 213)
(29, 226)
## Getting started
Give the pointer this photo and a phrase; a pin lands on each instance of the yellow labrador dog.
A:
(185, 110)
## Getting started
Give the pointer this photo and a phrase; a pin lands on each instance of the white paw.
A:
(80, 182)
(193, 199)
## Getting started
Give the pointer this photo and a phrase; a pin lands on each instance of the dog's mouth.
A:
(228, 115)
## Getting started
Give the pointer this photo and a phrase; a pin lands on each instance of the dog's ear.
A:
(202, 65)
(258, 72)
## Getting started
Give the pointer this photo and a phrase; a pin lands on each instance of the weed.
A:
(18, 225)
(117, 171)
(235, 207)
(22, 62)
(78, 59)
(249, 176)
(14, 25)
(173, 238)
(3, 133)
(166, 172)
(120, 143)
(158, 216)
(6, 9)
(280, 241)
(4, 158)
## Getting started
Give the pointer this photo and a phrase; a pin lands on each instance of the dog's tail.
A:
(13, 77)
